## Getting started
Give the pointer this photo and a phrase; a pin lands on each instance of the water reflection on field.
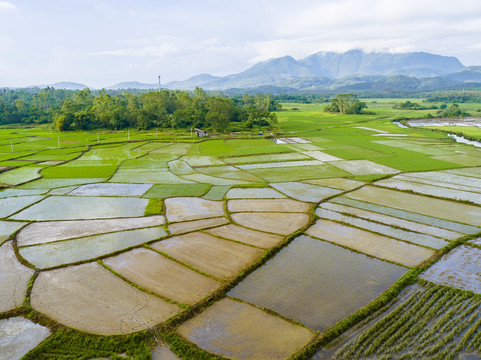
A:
(317, 283)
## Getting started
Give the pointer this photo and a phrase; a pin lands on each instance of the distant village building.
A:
(201, 133)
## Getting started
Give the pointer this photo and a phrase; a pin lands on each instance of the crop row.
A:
(433, 322)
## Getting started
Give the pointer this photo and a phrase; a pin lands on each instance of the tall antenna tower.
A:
(159, 83)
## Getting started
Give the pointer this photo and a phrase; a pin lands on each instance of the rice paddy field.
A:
(334, 237)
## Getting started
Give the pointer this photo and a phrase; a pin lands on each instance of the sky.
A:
(102, 42)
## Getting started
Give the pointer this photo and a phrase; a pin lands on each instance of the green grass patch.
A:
(72, 344)
(154, 207)
(434, 322)
(186, 350)
(166, 191)
(66, 171)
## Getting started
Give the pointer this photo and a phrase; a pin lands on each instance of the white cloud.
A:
(5, 6)
(100, 42)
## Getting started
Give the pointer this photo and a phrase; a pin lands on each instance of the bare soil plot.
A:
(248, 236)
(18, 336)
(86, 248)
(394, 221)
(277, 223)
(49, 231)
(305, 192)
(11, 205)
(363, 167)
(267, 205)
(239, 331)
(14, 278)
(163, 276)
(188, 226)
(442, 209)
(337, 183)
(368, 243)
(90, 298)
(111, 189)
(217, 257)
(72, 207)
(190, 208)
(460, 268)
(406, 235)
(317, 283)
(322, 156)
(253, 193)
(7, 228)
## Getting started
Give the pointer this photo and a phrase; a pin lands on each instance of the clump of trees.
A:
(456, 97)
(408, 105)
(84, 109)
(346, 104)
(453, 111)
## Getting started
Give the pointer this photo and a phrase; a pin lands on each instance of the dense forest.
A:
(84, 109)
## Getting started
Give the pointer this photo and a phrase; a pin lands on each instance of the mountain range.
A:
(353, 70)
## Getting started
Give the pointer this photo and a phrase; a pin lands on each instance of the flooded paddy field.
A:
(162, 275)
(14, 279)
(90, 298)
(18, 336)
(289, 284)
(240, 331)
(460, 269)
(74, 207)
(64, 252)
(369, 243)
(239, 247)
(209, 254)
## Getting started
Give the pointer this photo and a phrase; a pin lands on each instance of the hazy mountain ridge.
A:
(354, 70)
(332, 66)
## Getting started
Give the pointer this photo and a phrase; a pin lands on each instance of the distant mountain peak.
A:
(332, 65)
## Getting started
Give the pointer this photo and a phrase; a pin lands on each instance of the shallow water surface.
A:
(317, 283)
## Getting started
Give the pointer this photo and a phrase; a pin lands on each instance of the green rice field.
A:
(330, 237)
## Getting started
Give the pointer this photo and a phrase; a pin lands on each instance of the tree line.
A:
(173, 109)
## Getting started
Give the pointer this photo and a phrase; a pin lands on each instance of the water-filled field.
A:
(239, 246)
(293, 276)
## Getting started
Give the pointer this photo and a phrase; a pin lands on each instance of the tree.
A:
(454, 111)
(346, 104)
(220, 113)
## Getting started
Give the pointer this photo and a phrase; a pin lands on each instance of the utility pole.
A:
(159, 83)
